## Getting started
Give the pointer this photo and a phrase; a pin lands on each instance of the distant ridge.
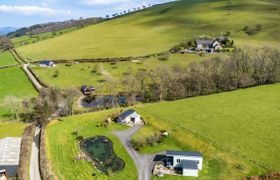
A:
(6, 30)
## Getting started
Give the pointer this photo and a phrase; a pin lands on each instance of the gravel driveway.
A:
(144, 163)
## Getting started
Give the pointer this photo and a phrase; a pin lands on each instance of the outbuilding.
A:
(46, 63)
(189, 163)
(129, 117)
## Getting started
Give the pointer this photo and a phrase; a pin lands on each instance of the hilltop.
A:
(158, 28)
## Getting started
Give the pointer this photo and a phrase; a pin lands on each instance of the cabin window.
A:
(178, 160)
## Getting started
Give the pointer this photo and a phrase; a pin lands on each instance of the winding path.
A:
(144, 163)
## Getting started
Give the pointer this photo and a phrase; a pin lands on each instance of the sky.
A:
(22, 13)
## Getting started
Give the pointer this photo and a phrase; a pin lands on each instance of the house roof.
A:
(127, 113)
(187, 164)
(204, 42)
(46, 62)
(183, 153)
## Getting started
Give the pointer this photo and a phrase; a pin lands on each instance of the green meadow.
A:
(13, 82)
(241, 125)
(63, 147)
(158, 28)
(83, 73)
(6, 58)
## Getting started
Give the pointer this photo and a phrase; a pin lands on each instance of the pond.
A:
(100, 150)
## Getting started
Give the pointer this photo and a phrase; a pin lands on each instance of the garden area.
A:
(63, 148)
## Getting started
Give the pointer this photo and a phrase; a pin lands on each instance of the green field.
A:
(6, 58)
(25, 40)
(14, 129)
(80, 74)
(13, 82)
(242, 123)
(63, 147)
(158, 28)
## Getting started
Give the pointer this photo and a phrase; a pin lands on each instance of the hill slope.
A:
(158, 28)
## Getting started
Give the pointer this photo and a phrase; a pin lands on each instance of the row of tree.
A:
(128, 11)
(246, 67)
(50, 102)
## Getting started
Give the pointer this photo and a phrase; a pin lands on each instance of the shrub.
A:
(164, 57)
(45, 169)
(25, 152)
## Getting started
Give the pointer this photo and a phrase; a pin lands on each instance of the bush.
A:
(45, 169)
(25, 152)
(164, 57)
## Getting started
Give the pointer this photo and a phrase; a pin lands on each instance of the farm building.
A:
(46, 63)
(129, 117)
(87, 90)
(189, 163)
(209, 45)
(9, 155)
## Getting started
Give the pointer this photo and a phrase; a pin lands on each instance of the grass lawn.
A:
(62, 147)
(13, 82)
(159, 28)
(11, 129)
(6, 58)
(230, 128)
(79, 74)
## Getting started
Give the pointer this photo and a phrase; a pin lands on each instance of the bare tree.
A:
(14, 106)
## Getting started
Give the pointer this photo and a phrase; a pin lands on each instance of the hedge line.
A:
(25, 152)
(115, 59)
(45, 169)
(37, 78)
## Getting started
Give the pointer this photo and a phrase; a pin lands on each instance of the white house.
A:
(46, 64)
(188, 162)
(129, 117)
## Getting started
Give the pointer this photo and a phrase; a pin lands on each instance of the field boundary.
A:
(101, 60)
(8, 66)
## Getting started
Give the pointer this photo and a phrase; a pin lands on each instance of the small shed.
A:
(46, 63)
(129, 117)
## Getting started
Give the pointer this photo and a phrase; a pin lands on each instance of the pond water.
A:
(100, 150)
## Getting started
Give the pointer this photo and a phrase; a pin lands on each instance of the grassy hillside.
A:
(24, 40)
(158, 28)
(243, 123)
(6, 58)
